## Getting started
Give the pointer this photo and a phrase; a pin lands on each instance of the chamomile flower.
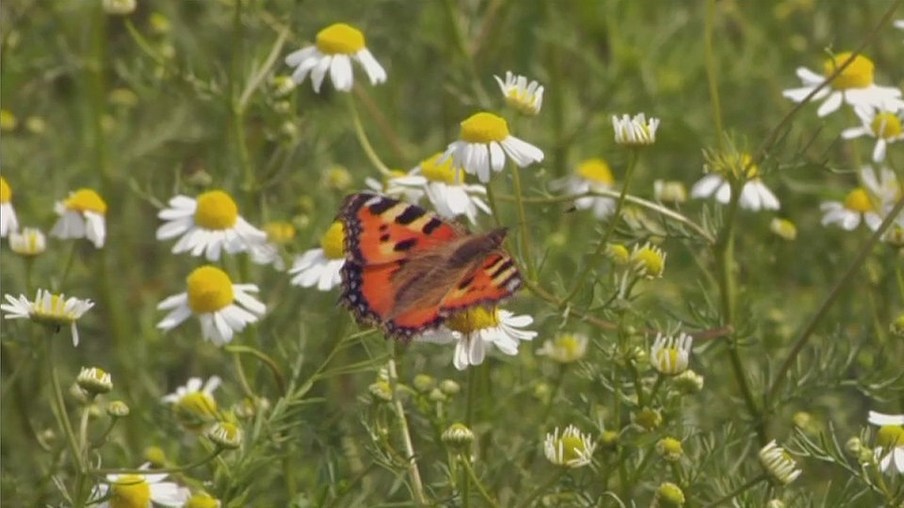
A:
(82, 215)
(8, 220)
(222, 307)
(209, 225)
(591, 175)
(29, 242)
(889, 450)
(882, 185)
(194, 403)
(778, 463)
(321, 267)
(669, 191)
(858, 207)
(670, 355)
(885, 126)
(484, 144)
(334, 49)
(755, 195)
(524, 97)
(54, 310)
(854, 86)
(571, 448)
(445, 187)
(476, 330)
(397, 184)
(268, 253)
(565, 348)
(635, 131)
(140, 491)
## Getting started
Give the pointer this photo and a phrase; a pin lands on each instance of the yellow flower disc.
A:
(279, 232)
(6, 194)
(859, 74)
(484, 128)
(650, 260)
(886, 125)
(439, 172)
(340, 38)
(130, 491)
(198, 404)
(333, 241)
(470, 320)
(209, 290)
(86, 200)
(858, 200)
(596, 170)
(572, 447)
(216, 210)
(202, 500)
(890, 436)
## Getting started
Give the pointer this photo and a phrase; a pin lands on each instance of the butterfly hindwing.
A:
(407, 270)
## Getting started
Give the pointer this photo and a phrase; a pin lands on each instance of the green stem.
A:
(58, 405)
(168, 470)
(365, 142)
(243, 380)
(528, 501)
(269, 362)
(711, 78)
(417, 486)
(842, 283)
(522, 222)
(473, 478)
(604, 241)
(731, 495)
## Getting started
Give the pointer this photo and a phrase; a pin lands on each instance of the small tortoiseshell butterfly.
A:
(407, 270)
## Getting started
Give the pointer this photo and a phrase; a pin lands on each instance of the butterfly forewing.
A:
(406, 269)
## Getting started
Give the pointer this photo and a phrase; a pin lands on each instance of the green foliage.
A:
(792, 337)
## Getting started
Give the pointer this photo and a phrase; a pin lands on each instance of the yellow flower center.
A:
(216, 210)
(596, 170)
(440, 172)
(202, 500)
(484, 128)
(858, 200)
(6, 194)
(279, 232)
(8, 120)
(198, 404)
(340, 38)
(209, 290)
(886, 125)
(470, 320)
(667, 357)
(649, 260)
(333, 241)
(890, 436)
(618, 253)
(130, 491)
(572, 448)
(859, 74)
(86, 200)
(55, 313)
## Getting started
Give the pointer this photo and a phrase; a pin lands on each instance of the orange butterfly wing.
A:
(382, 235)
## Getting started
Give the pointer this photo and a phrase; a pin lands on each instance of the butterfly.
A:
(406, 270)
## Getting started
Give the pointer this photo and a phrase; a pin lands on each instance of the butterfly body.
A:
(407, 270)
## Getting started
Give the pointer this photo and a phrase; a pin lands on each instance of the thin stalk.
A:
(416, 485)
(365, 142)
(820, 313)
(585, 270)
(522, 222)
(58, 406)
(473, 477)
(269, 362)
(731, 495)
(711, 77)
(169, 470)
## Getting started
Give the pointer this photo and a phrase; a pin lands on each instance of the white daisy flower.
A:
(195, 388)
(334, 49)
(8, 220)
(637, 131)
(854, 86)
(565, 348)
(29, 242)
(670, 355)
(444, 187)
(483, 145)
(222, 307)
(82, 215)
(882, 185)
(208, 225)
(570, 449)
(524, 97)
(476, 330)
(321, 267)
(857, 207)
(889, 450)
(779, 463)
(400, 190)
(591, 175)
(140, 491)
(755, 195)
(885, 126)
(669, 191)
(54, 310)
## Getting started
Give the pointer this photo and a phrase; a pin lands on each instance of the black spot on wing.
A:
(381, 205)
(411, 214)
(501, 268)
(405, 245)
(466, 282)
(384, 238)
(431, 225)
